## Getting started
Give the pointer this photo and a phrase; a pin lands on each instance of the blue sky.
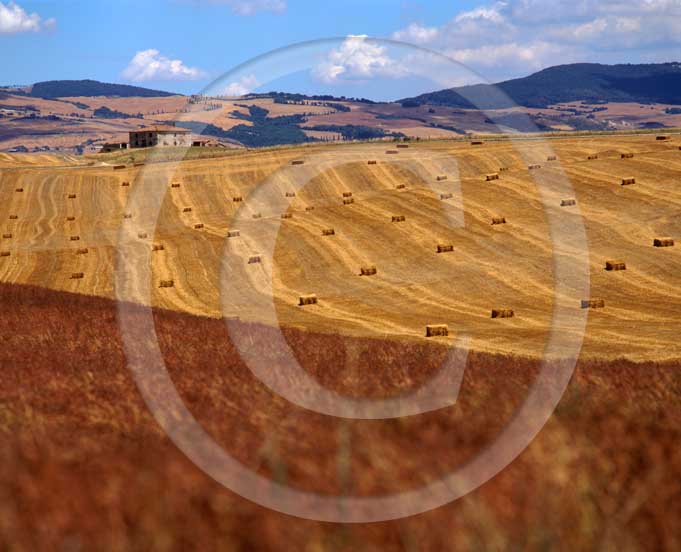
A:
(182, 45)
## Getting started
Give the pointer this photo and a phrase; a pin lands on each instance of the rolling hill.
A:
(589, 82)
(91, 88)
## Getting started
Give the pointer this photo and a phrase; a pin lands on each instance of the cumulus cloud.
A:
(416, 34)
(243, 86)
(357, 58)
(150, 65)
(513, 37)
(14, 19)
(251, 7)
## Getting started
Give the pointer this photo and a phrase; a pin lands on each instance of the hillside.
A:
(588, 82)
(87, 88)
(490, 266)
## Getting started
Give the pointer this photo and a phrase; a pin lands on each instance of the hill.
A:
(86, 88)
(589, 82)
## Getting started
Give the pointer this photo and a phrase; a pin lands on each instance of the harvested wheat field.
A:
(490, 266)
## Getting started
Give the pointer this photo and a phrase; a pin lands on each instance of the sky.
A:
(189, 45)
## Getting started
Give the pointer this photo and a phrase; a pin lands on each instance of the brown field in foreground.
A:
(85, 466)
(70, 219)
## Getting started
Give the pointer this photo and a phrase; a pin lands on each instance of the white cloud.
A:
(14, 19)
(150, 65)
(416, 34)
(357, 58)
(514, 37)
(251, 7)
(243, 86)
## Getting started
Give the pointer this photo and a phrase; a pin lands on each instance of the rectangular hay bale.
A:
(77, 276)
(445, 248)
(304, 300)
(441, 177)
(503, 313)
(398, 218)
(198, 226)
(368, 271)
(328, 232)
(82, 251)
(568, 202)
(498, 220)
(663, 242)
(437, 330)
(349, 201)
(446, 196)
(628, 181)
(166, 283)
(490, 177)
(615, 265)
(254, 259)
(593, 303)
(233, 233)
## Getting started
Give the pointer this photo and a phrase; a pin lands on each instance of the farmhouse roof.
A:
(163, 129)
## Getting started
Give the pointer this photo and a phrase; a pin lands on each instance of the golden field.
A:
(491, 266)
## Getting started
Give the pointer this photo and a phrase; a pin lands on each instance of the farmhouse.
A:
(160, 135)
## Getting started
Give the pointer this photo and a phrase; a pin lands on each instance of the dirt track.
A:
(491, 266)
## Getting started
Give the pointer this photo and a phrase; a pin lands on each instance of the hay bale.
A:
(75, 238)
(402, 146)
(166, 283)
(552, 158)
(304, 300)
(533, 167)
(441, 177)
(490, 177)
(446, 196)
(477, 143)
(72, 196)
(198, 226)
(663, 242)
(5, 253)
(125, 184)
(398, 218)
(257, 215)
(7, 236)
(13, 217)
(298, 162)
(158, 247)
(392, 152)
(503, 169)
(498, 220)
(187, 210)
(237, 199)
(627, 156)
(445, 248)
(328, 232)
(503, 313)
(372, 162)
(175, 185)
(592, 157)
(290, 194)
(255, 259)
(437, 330)
(286, 215)
(349, 201)
(663, 138)
(615, 265)
(19, 190)
(309, 208)
(628, 181)
(82, 251)
(70, 219)
(368, 271)
(77, 276)
(118, 167)
(400, 186)
(127, 216)
(593, 303)
(347, 194)
(233, 233)
(142, 235)
(568, 202)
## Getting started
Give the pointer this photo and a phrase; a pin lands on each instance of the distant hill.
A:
(66, 88)
(591, 82)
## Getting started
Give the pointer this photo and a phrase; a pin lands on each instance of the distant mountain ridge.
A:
(70, 88)
(591, 82)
